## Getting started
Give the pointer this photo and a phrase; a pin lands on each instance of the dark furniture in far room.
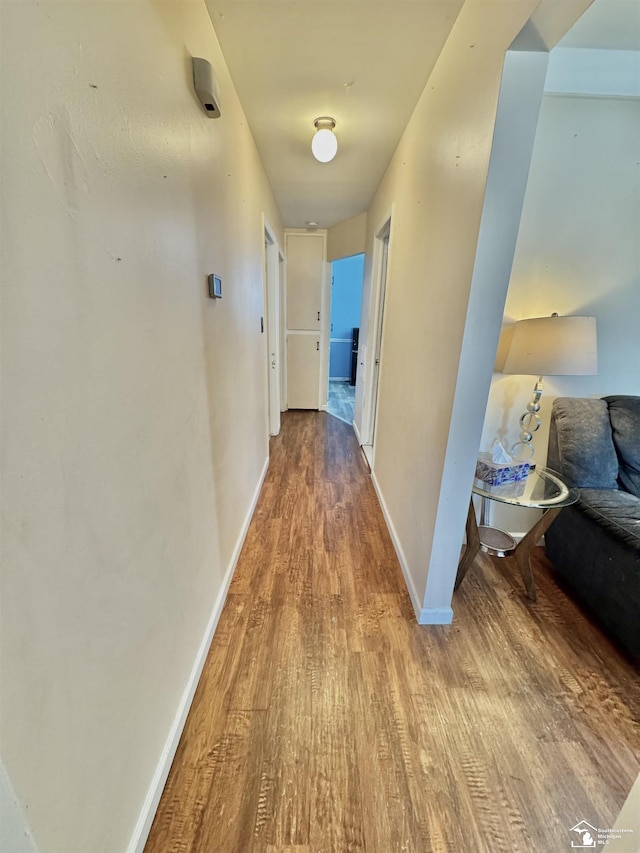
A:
(595, 544)
(355, 334)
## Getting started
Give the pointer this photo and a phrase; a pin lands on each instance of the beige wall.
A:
(347, 238)
(436, 182)
(577, 253)
(134, 408)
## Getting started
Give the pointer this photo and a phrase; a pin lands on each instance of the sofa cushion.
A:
(586, 456)
(601, 569)
(624, 412)
(615, 510)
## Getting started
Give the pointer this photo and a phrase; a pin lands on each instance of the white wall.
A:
(437, 181)
(578, 252)
(15, 834)
(134, 408)
(347, 238)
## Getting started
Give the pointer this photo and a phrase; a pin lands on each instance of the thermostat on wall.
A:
(215, 286)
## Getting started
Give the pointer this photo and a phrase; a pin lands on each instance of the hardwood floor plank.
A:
(327, 721)
(285, 807)
(334, 772)
(297, 849)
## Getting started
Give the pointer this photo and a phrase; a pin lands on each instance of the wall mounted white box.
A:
(206, 86)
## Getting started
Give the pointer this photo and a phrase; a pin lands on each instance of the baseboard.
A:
(357, 432)
(519, 536)
(435, 616)
(338, 379)
(424, 615)
(143, 826)
(413, 595)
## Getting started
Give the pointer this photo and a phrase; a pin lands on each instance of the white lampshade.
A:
(553, 346)
(324, 144)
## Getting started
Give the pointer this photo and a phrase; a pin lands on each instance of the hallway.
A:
(326, 720)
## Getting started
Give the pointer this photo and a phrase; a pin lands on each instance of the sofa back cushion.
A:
(624, 413)
(580, 443)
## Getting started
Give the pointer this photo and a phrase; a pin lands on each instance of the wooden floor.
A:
(328, 721)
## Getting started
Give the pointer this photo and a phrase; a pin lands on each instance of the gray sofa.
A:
(594, 545)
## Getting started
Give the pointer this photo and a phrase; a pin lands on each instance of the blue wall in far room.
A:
(346, 298)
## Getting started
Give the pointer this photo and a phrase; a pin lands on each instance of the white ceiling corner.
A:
(363, 63)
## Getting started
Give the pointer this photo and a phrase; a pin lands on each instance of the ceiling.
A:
(607, 25)
(365, 64)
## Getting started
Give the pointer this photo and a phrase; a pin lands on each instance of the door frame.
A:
(375, 334)
(273, 337)
(330, 286)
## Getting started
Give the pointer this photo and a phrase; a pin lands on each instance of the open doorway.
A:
(272, 303)
(376, 322)
(346, 301)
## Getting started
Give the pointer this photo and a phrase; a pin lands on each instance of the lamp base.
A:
(523, 449)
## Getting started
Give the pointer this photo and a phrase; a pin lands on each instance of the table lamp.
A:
(551, 346)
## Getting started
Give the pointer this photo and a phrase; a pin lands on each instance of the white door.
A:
(374, 336)
(305, 266)
(303, 370)
(305, 254)
(378, 340)
(272, 279)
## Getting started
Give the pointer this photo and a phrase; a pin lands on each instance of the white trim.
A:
(377, 298)
(367, 450)
(424, 615)
(435, 616)
(338, 378)
(595, 97)
(340, 340)
(271, 299)
(147, 814)
(357, 432)
(413, 595)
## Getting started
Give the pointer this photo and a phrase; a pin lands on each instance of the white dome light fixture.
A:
(324, 144)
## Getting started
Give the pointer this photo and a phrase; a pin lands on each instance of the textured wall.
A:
(436, 182)
(347, 238)
(134, 410)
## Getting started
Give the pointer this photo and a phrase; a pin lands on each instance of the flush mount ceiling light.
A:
(324, 143)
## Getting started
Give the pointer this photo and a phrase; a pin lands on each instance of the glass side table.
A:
(543, 489)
